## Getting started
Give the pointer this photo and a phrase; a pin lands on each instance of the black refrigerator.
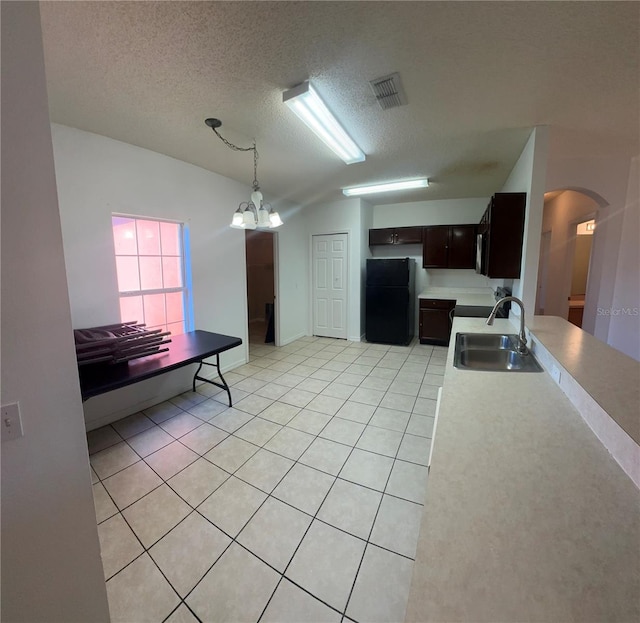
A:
(390, 301)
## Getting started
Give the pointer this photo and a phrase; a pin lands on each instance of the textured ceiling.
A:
(478, 76)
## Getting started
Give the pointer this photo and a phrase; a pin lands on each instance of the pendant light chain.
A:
(254, 149)
(254, 212)
(256, 185)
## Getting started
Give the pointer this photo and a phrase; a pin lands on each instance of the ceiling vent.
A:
(388, 91)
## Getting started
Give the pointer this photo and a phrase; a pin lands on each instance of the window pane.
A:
(128, 278)
(154, 310)
(131, 309)
(176, 328)
(149, 256)
(124, 235)
(170, 235)
(162, 327)
(148, 237)
(172, 270)
(150, 273)
(175, 307)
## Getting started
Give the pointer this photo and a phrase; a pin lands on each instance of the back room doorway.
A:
(260, 259)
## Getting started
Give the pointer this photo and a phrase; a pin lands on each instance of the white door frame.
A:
(310, 322)
(543, 271)
(568, 264)
(276, 294)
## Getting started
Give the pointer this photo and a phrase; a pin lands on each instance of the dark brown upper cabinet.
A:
(395, 235)
(501, 232)
(449, 246)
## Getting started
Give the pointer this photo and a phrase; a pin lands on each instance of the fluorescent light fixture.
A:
(387, 187)
(306, 103)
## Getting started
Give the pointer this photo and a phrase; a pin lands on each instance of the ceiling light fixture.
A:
(306, 103)
(386, 187)
(254, 213)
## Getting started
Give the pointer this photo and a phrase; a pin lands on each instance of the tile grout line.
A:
(355, 579)
(295, 461)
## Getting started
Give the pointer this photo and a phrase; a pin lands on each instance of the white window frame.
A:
(184, 267)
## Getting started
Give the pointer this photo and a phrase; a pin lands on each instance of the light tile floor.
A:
(301, 503)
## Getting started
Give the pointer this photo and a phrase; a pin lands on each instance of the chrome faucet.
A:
(522, 337)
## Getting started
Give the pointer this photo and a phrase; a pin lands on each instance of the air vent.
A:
(388, 91)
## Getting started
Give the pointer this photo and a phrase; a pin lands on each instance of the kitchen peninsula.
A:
(527, 516)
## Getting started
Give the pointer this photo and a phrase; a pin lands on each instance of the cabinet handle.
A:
(395, 237)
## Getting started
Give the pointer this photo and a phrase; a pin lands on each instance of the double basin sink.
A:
(492, 352)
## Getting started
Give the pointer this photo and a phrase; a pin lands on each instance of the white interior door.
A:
(329, 263)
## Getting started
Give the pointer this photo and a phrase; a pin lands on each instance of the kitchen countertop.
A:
(463, 296)
(610, 377)
(527, 516)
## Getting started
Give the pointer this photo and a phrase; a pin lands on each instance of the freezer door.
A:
(387, 315)
(388, 272)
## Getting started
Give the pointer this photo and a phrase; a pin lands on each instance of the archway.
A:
(564, 209)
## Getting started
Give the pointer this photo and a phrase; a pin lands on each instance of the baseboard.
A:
(292, 339)
(158, 397)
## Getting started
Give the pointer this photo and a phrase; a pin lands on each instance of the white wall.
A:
(624, 325)
(437, 212)
(98, 176)
(51, 567)
(293, 276)
(528, 175)
(366, 223)
(607, 180)
(559, 217)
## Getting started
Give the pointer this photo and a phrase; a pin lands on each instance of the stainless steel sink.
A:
(492, 352)
(489, 341)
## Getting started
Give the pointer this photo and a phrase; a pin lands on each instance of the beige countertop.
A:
(527, 516)
(462, 296)
(610, 377)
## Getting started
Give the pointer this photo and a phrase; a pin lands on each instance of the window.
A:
(151, 269)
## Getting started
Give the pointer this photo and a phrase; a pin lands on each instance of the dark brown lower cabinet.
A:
(436, 317)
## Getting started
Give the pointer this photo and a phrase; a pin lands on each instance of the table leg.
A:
(216, 365)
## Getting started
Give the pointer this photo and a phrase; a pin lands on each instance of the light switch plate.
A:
(10, 422)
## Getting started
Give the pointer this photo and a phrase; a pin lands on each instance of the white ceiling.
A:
(478, 76)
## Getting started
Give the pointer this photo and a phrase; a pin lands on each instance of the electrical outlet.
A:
(10, 422)
(555, 373)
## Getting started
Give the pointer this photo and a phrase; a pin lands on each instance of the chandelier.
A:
(254, 213)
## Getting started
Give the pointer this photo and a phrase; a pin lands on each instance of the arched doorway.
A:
(563, 249)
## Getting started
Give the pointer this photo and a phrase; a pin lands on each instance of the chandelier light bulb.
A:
(274, 220)
(238, 221)
(249, 219)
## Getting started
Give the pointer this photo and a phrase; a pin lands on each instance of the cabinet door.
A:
(408, 235)
(435, 242)
(462, 246)
(381, 236)
(435, 321)
(505, 235)
(434, 326)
